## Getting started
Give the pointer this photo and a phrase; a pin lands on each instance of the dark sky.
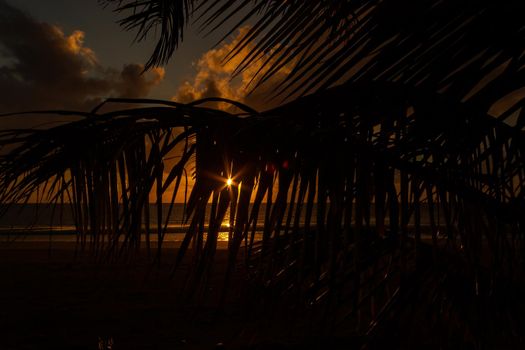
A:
(112, 44)
(71, 53)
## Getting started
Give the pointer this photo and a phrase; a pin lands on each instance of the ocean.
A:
(42, 222)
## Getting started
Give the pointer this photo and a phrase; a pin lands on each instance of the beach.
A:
(51, 299)
(58, 299)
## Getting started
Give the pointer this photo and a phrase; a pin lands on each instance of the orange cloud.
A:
(213, 77)
(75, 43)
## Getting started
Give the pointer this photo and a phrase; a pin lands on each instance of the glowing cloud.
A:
(213, 78)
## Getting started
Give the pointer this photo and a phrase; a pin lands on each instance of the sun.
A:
(229, 182)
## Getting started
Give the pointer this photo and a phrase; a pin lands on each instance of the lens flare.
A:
(229, 182)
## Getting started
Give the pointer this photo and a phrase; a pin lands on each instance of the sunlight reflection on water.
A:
(223, 236)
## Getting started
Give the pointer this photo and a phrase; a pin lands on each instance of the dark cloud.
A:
(133, 84)
(43, 68)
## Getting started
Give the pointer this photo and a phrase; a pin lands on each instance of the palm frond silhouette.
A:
(410, 111)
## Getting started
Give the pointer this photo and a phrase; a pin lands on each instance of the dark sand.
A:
(49, 300)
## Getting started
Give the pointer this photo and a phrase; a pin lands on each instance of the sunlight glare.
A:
(229, 182)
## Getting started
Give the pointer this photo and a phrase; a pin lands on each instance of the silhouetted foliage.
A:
(425, 122)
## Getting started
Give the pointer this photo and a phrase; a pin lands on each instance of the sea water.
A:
(40, 222)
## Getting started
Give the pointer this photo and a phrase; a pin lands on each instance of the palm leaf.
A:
(338, 154)
(405, 131)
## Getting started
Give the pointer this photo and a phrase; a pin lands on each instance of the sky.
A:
(114, 46)
(71, 54)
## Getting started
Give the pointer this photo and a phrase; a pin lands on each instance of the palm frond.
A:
(470, 51)
(342, 183)
(341, 180)
(166, 17)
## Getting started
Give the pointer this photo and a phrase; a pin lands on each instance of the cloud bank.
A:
(213, 78)
(41, 67)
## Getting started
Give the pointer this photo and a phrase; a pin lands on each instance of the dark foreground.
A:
(54, 300)
(50, 301)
